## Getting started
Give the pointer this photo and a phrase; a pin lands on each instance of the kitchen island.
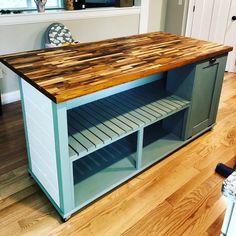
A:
(97, 114)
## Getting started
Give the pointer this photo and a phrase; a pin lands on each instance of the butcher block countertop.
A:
(73, 71)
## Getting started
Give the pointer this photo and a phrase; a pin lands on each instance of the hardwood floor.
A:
(181, 195)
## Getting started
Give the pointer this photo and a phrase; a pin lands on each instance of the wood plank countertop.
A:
(73, 71)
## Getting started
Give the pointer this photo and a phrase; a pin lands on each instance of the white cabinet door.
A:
(230, 38)
(219, 21)
(212, 20)
(208, 19)
(201, 11)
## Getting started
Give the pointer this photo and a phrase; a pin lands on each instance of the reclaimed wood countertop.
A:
(73, 71)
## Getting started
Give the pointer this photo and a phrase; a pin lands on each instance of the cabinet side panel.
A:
(180, 82)
(218, 87)
(208, 81)
(39, 120)
(203, 95)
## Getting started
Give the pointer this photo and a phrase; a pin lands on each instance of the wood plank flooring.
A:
(181, 195)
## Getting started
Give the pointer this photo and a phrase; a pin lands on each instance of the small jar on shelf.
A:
(69, 5)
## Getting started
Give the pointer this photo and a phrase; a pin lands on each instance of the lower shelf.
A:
(103, 170)
(159, 149)
(161, 139)
(107, 168)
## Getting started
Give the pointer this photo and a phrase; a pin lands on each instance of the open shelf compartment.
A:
(97, 124)
(162, 138)
(104, 169)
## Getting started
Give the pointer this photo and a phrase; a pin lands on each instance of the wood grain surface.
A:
(69, 72)
(180, 195)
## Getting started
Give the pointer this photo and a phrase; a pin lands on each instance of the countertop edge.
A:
(60, 99)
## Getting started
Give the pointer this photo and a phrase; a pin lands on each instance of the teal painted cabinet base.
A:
(81, 149)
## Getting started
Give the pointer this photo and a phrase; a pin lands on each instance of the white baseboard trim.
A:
(10, 97)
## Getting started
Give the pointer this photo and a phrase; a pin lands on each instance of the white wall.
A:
(157, 13)
(152, 16)
(176, 16)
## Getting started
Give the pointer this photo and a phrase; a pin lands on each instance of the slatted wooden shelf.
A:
(102, 122)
